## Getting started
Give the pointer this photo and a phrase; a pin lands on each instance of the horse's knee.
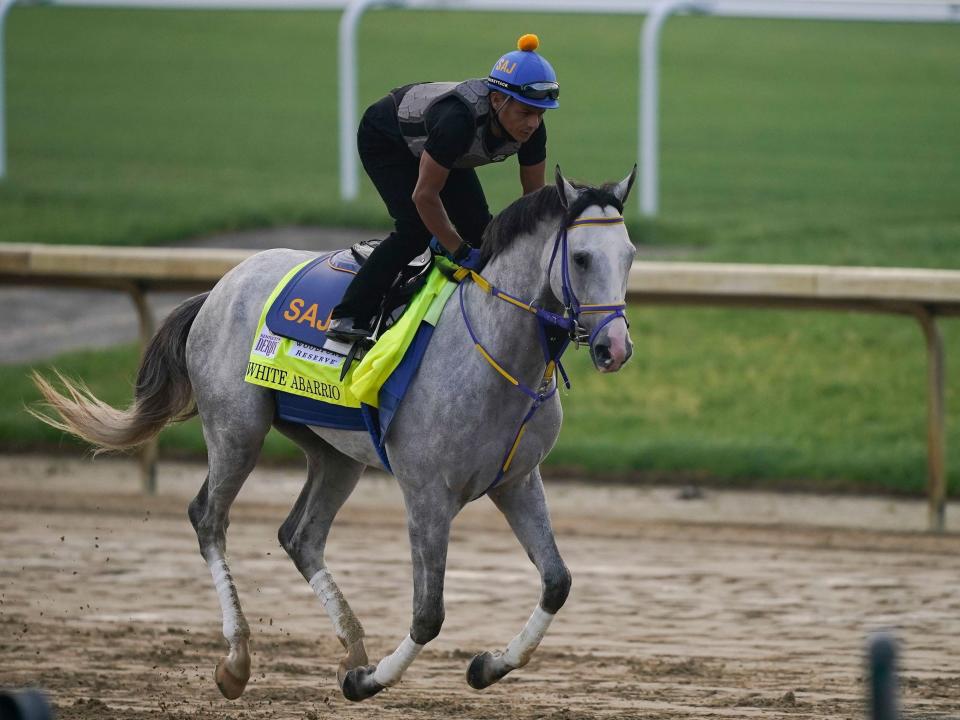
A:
(287, 536)
(198, 508)
(426, 624)
(290, 540)
(301, 545)
(211, 530)
(556, 588)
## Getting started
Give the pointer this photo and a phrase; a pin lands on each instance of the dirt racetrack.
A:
(738, 605)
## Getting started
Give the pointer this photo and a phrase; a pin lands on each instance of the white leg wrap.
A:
(391, 668)
(234, 624)
(521, 648)
(345, 625)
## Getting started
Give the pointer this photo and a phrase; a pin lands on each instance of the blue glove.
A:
(439, 249)
(465, 256)
(471, 261)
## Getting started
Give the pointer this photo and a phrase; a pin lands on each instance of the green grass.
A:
(797, 398)
(777, 399)
(781, 142)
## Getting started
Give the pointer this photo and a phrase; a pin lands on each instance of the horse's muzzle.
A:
(612, 347)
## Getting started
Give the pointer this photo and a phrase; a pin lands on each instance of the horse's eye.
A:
(582, 260)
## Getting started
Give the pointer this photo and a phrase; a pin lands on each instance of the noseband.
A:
(555, 331)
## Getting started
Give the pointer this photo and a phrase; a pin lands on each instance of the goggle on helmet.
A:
(526, 76)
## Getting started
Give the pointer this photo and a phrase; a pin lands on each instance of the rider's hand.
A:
(468, 257)
(439, 249)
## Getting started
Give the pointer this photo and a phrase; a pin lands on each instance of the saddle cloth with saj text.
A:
(307, 376)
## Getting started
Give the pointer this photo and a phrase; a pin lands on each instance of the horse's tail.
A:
(163, 392)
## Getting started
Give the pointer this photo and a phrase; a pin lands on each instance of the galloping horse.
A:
(562, 257)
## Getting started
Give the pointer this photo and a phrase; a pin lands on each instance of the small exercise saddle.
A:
(302, 310)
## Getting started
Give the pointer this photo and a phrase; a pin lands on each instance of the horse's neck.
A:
(507, 332)
(521, 269)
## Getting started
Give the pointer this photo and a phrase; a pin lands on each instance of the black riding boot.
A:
(354, 316)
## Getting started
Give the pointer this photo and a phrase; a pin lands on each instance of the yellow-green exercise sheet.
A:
(283, 364)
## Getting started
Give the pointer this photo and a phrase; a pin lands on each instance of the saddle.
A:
(315, 382)
(302, 310)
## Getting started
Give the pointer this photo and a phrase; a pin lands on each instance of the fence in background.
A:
(921, 294)
(658, 12)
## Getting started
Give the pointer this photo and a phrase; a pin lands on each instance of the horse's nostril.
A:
(602, 354)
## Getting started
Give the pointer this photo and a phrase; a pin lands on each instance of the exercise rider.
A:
(420, 145)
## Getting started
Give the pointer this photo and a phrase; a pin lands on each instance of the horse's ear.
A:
(622, 189)
(568, 193)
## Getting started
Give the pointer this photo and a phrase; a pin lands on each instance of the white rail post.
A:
(5, 6)
(650, 97)
(347, 73)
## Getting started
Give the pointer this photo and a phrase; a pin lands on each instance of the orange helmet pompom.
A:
(528, 42)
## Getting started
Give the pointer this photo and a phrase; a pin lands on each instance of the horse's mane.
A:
(524, 215)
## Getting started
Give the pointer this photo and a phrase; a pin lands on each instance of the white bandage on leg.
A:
(234, 624)
(345, 625)
(391, 668)
(521, 648)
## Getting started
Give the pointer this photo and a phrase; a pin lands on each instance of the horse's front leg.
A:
(524, 505)
(428, 521)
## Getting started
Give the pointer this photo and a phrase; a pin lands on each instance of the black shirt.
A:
(450, 131)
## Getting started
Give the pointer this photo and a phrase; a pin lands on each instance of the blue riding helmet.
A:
(526, 76)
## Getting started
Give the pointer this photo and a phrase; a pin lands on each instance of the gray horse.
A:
(446, 443)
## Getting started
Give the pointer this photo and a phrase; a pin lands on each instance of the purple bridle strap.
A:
(617, 312)
(571, 304)
(568, 321)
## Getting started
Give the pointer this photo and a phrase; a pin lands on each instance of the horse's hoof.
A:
(483, 671)
(342, 670)
(475, 672)
(358, 684)
(356, 657)
(230, 685)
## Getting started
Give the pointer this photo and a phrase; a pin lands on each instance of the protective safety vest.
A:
(412, 109)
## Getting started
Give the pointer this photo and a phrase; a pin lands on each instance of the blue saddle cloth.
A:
(302, 310)
(305, 411)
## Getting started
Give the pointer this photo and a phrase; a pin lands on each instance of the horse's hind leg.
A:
(523, 504)
(233, 443)
(331, 478)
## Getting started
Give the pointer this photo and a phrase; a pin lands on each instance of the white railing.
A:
(658, 12)
(348, 61)
(919, 12)
(7, 5)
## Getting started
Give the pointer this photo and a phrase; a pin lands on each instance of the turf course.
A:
(781, 142)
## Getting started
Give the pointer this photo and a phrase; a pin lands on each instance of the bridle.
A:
(555, 330)
(572, 307)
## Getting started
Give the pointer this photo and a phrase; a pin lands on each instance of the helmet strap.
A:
(496, 116)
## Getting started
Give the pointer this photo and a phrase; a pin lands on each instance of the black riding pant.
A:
(394, 171)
